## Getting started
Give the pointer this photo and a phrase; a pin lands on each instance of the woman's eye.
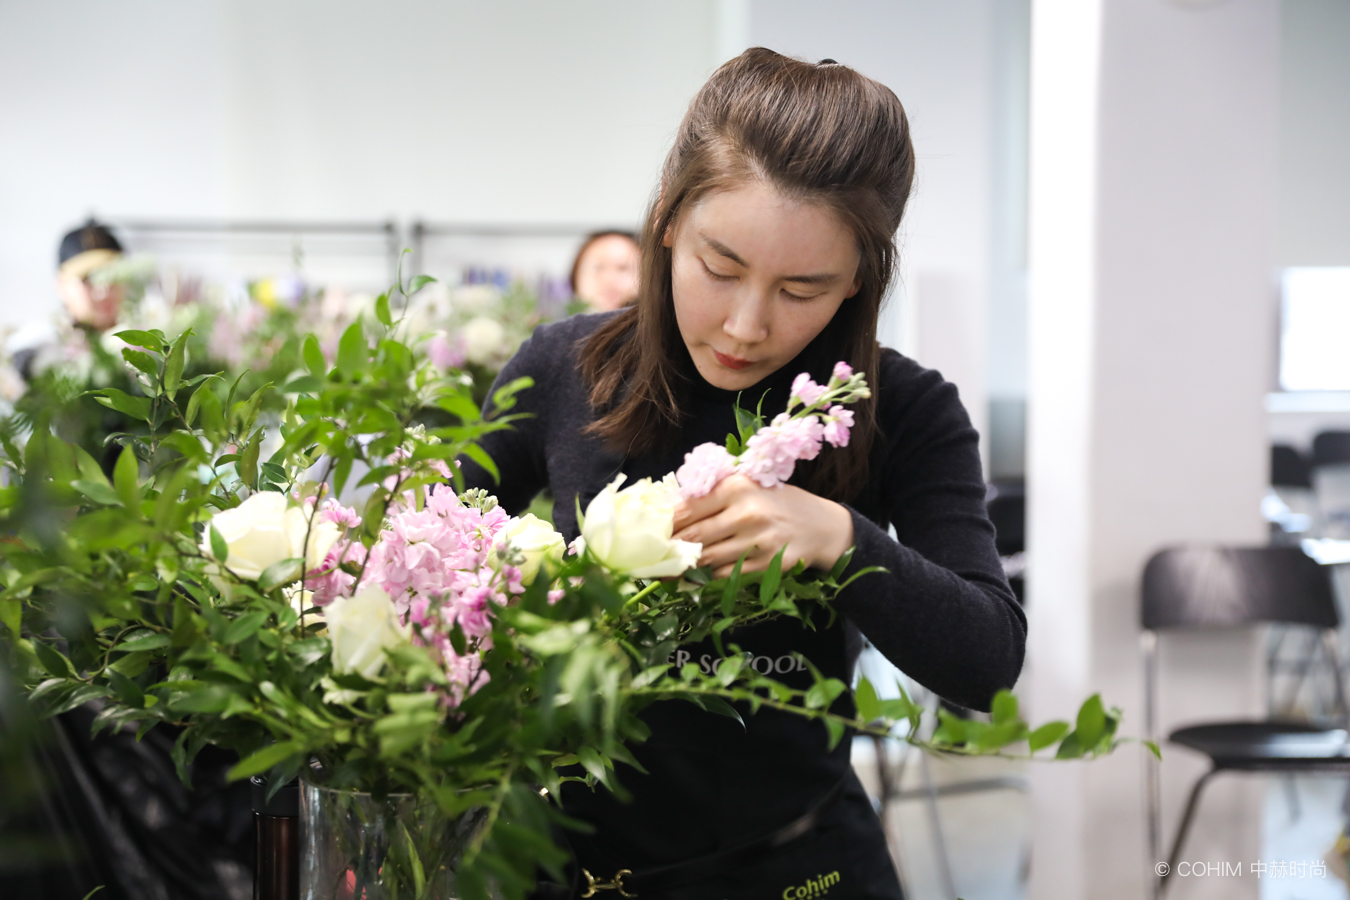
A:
(715, 276)
(800, 299)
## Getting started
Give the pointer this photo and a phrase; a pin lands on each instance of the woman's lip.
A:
(731, 362)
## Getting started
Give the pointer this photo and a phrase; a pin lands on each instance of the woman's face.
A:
(756, 276)
(607, 275)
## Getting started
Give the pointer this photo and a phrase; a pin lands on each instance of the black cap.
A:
(89, 236)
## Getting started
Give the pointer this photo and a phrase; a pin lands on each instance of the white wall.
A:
(1151, 346)
(508, 111)
(1315, 133)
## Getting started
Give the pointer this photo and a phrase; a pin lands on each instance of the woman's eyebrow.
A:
(722, 249)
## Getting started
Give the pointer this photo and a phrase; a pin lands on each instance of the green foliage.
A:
(112, 587)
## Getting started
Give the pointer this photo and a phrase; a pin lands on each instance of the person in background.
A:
(605, 273)
(91, 303)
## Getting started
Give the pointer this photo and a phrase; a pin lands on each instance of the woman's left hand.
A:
(740, 516)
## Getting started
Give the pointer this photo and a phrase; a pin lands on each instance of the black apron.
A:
(713, 784)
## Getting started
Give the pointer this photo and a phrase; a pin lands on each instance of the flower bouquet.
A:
(429, 666)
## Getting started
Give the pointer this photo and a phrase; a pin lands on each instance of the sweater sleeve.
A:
(517, 450)
(942, 611)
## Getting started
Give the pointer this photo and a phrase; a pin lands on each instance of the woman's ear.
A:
(668, 238)
(854, 288)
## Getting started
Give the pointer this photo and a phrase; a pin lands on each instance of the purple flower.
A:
(704, 467)
(806, 390)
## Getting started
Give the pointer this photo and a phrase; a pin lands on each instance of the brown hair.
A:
(820, 134)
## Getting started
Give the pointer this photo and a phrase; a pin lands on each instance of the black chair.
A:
(1222, 587)
(1289, 468)
(1331, 448)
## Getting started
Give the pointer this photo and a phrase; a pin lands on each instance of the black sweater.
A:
(942, 612)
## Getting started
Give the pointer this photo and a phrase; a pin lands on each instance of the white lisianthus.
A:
(483, 339)
(361, 629)
(266, 529)
(630, 530)
(536, 539)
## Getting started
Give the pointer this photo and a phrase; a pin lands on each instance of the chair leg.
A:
(1191, 803)
(1291, 798)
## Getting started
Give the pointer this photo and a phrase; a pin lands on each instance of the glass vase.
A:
(402, 847)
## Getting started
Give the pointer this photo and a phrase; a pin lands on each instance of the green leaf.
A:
(1091, 722)
(314, 361)
(51, 659)
(219, 549)
(593, 762)
(836, 732)
(247, 466)
(195, 403)
(865, 698)
(136, 407)
(768, 588)
(353, 353)
(173, 365)
(305, 384)
(142, 361)
(11, 616)
(150, 340)
(265, 759)
(187, 444)
(89, 468)
(480, 456)
(1153, 748)
(283, 572)
(94, 891)
(1046, 735)
(244, 627)
(1004, 708)
(98, 491)
(126, 477)
(382, 310)
(213, 414)
(143, 640)
(418, 283)
(126, 690)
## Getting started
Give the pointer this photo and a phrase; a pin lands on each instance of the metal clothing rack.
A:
(388, 230)
(421, 230)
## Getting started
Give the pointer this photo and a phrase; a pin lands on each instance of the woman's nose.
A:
(747, 321)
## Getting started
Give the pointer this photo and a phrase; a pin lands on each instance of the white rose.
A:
(535, 538)
(266, 529)
(361, 629)
(483, 339)
(630, 530)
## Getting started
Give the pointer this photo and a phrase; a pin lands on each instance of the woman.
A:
(605, 272)
(767, 253)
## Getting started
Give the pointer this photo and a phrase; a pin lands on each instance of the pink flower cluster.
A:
(436, 564)
(772, 452)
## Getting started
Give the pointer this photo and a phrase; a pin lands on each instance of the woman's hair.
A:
(586, 245)
(819, 134)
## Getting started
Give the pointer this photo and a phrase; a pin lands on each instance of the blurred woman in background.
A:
(605, 273)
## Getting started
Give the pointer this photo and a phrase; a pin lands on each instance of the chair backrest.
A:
(1330, 448)
(1289, 468)
(1200, 587)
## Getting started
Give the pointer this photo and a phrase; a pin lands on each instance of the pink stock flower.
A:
(806, 390)
(772, 452)
(342, 516)
(837, 424)
(444, 353)
(842, 371)
(704, 467)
